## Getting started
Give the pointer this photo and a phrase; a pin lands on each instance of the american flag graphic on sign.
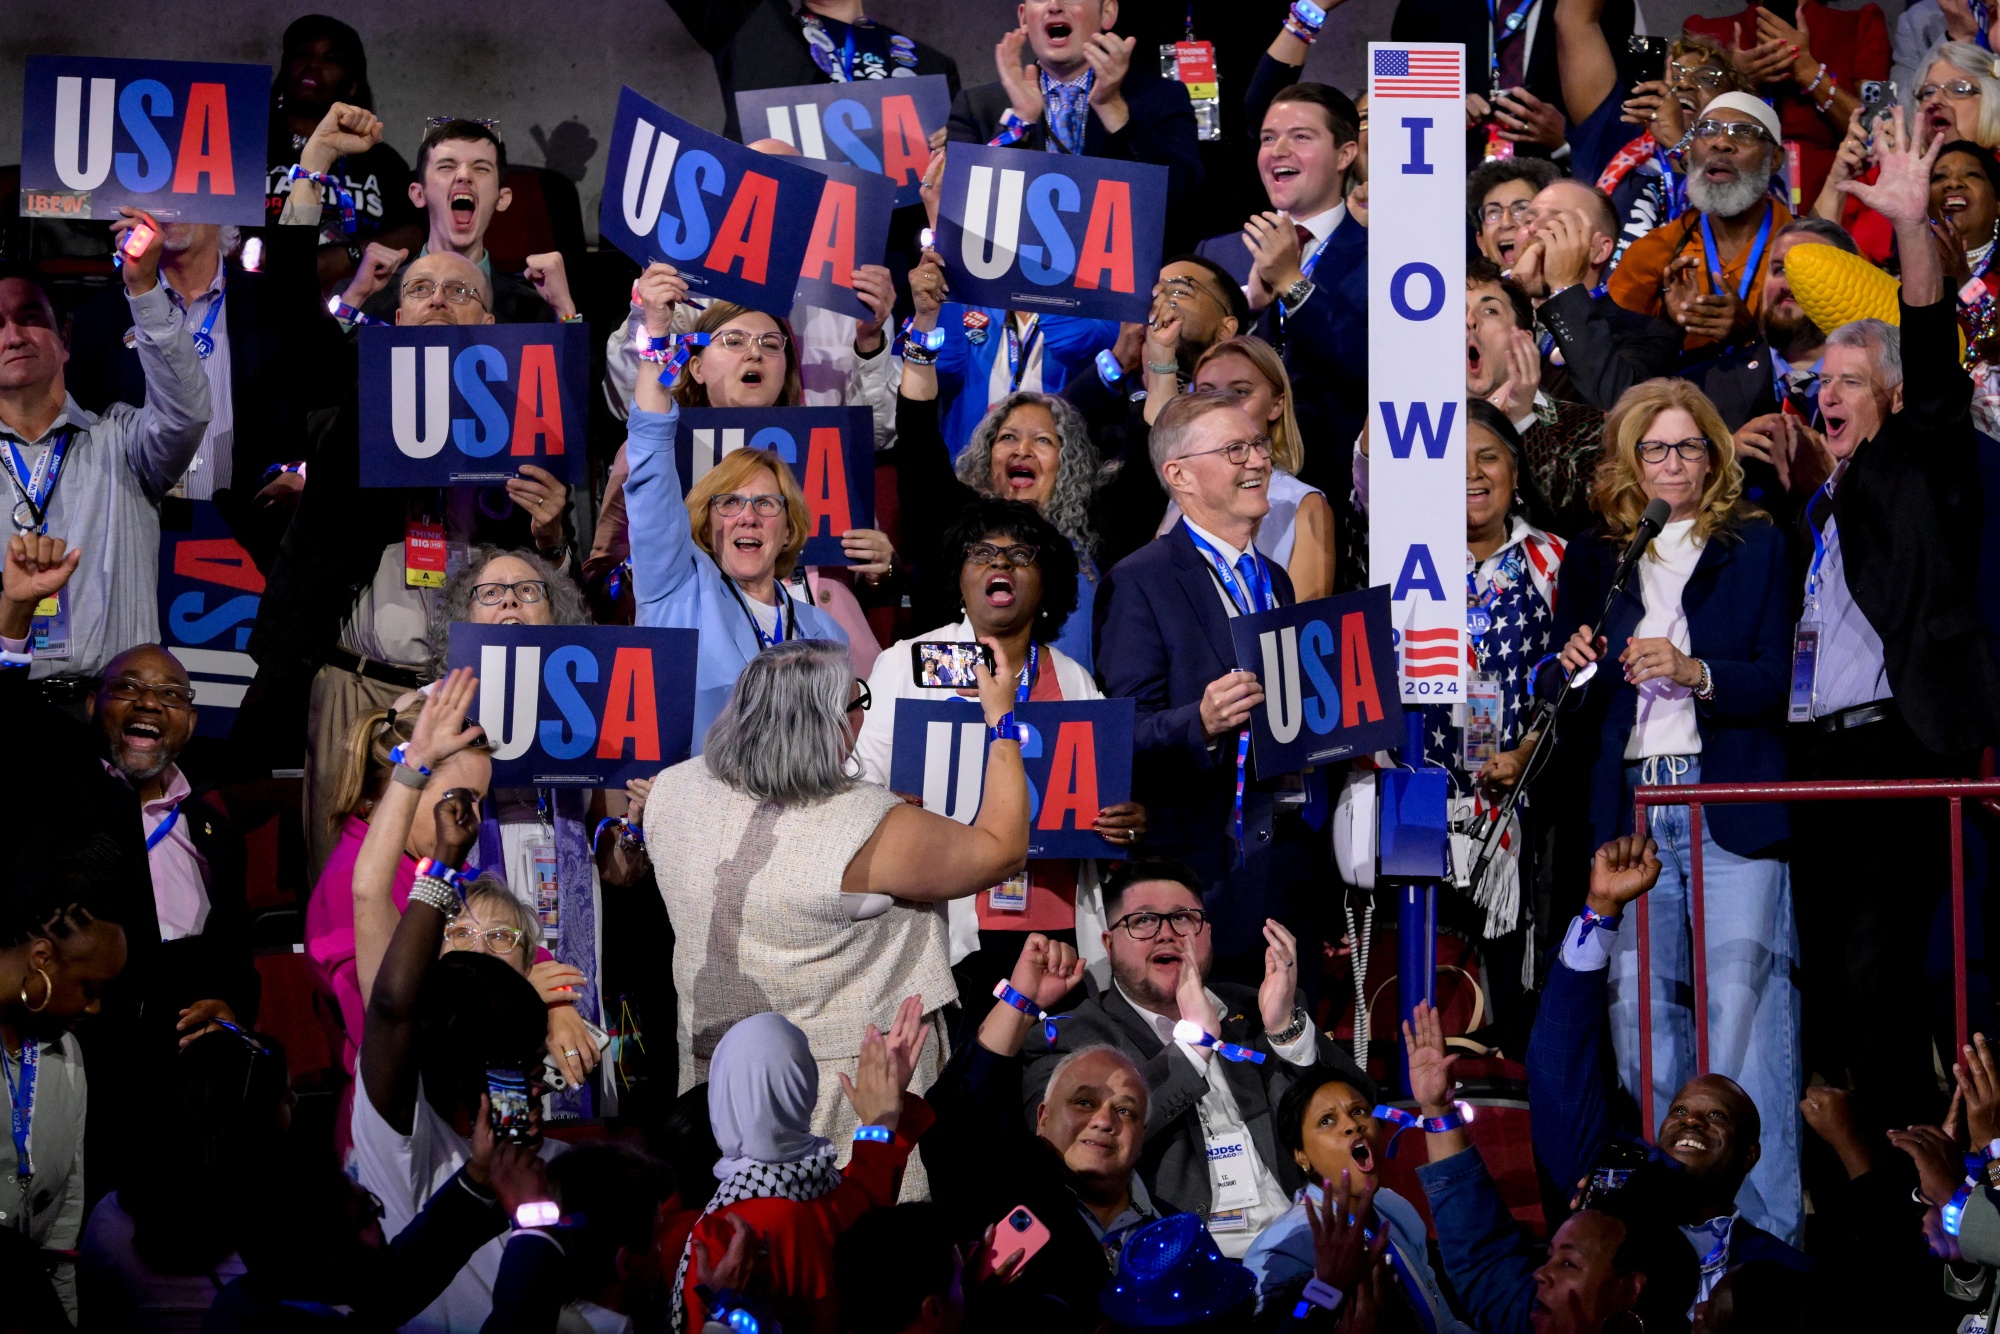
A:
(1405, 73)
(1431, 652)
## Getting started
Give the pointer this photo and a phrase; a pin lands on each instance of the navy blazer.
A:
(1325, 346)
(1161, 637)
(1740, 613)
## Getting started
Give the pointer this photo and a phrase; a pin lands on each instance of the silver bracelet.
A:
(434, 893)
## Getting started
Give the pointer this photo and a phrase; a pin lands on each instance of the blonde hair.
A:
(1982, 68)
(1619, 496)
(1288, 449)
(495, 904)
(364, 760)
(691, 393)
(730, 472)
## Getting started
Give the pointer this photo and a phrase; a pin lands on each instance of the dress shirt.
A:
(1664, 723)
(211, 469)
(1230, 555)
(1000, 380)
(107, 501)
(1850, 670)
(1322, 226)
(1219, 1115)
(180, 872)
(1586, 951)
(1711, 1245)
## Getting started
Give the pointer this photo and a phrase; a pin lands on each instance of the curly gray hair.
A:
(783, 735)
(1076, 468)
(566, 603)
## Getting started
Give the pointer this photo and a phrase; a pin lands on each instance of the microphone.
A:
(1650, 524)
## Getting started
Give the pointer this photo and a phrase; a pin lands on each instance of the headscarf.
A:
(762, 1087)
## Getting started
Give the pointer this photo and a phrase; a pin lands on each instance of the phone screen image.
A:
(943, 665)
(508, 1105)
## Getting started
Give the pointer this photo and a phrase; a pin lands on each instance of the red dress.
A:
(1854, 43)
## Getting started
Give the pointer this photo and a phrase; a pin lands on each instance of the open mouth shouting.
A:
(1939, 120)
(750, 375)
(1057, 32)
(1838, 424)
(464, 205)
(143, 738)
(1955, 201)
(1363, 1156)
(999, 590)
(1021, 473)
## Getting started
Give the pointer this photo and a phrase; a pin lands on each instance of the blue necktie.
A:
(1246, 570)
(1067, 112)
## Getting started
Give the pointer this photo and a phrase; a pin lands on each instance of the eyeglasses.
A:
(1731, 129)
(863, 701)
(1237, 451)
(1517, 212)
(527, 592)
(1694, 448)
(985, 553)
(499, 939)
(1177, 287)
(457, 292)
(1146, 925)
(1958, 90)
(1704, 76)
(173, 698)
(729, 505)
(735, 340)
(439, 122)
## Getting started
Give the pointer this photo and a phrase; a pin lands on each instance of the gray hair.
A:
(1173, 432)
(1145, 1090)
(1881, 340)
(1826, 229)
(1978, 65)
(566, 606)
(1076, 467)
(783, 734)
(497, 904)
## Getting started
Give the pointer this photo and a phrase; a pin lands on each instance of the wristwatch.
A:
(1298, 291)
(1293, 1031)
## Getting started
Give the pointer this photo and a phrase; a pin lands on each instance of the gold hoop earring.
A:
(48, 992)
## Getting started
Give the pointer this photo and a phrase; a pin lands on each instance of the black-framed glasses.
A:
(863, 701)
(1958, 90)
(1748, 131)
(735, 340)
(527, 592)
(498, 939)
(1175, 287)
(172, 697)
(1702, 76)
(1238, 452)
(1692, 449)
(985, 553)
(729, 504)
(1517, 212)
(1146, 925)
(457, 291)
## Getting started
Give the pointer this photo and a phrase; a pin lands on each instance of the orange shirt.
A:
(1639, 281)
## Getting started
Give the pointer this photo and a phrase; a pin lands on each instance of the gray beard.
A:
(1729, 201)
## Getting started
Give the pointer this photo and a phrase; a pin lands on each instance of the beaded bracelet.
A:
(348, 222)
(434, 893)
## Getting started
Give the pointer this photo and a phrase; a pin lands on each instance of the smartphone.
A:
(941, 664)
(138, 239)
(508, 1105)
(1652, 48)
(1020, 1231)
(1878, 98)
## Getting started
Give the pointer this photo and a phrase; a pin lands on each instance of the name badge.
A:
(1231, 1187)
(424, 554)
(1805, 671)
(1481, 734)
(1010, 895)
(51, 627)
(548, 898)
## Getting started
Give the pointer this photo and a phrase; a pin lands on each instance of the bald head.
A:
(1713, 1130)
(144, 711)
(431, 284)
(772, 148)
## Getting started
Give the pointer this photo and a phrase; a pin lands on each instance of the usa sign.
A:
(183, 140)
(1051, 232)
(880, 126)
(850, 230)
(734, 222)
(1329, 678)
(1416, 381)
(580, 705)
(209, 594)
(831, 451)
(1078, 758)
(471, 403)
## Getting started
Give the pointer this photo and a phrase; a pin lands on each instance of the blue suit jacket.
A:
(1740, 612)
(1325, 345)
(1161, 637)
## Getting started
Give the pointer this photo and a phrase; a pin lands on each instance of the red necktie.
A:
(1305, 238)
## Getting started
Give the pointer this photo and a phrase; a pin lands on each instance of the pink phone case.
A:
(1020, 1230)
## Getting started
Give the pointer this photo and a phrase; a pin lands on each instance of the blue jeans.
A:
(1753, 1003)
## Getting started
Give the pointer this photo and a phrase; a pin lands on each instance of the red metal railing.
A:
(1697, 795)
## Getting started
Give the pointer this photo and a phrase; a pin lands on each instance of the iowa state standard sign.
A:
(1051, 233)
(180, 139)
(471, 403)
(580, 705)
(1078, 758)
(735, 223)
(1329, 678)
(881, 126)
(831, 451)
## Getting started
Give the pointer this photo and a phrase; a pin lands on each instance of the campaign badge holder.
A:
(424, 552)
(1805, 671)
(1192, 64)
(1010, 895)
(51, 627)
(1481, 733)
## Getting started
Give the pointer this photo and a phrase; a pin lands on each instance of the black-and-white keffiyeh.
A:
(802, 1181)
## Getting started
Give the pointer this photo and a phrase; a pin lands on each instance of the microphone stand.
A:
(1549, 712)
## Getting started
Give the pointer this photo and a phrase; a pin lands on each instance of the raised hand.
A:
(1516, 394)
(1277, 996)
(1110, 56)
(141, 275)
(1022, 82)
(36, 568)
(1430, 1063)
(886, 1064)
(1046, 971)
(659, 289)
(1901, 191)
(343, 131)
(1767, 61)
(546, 499)
(1978, 1078)
(377, 267)
(1342, 1252)
(1123, 823)
(456, 818)
(551, 281)
(928, 290)
(1527, 119)
(441, 731)
(1192, 997)
(877, 290)
(1940, 1166)
(1622, 870)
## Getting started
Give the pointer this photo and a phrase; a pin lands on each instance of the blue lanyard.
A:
(1714, 256)
(22, 1102)
(1502, 31)
(1819, 546)
(847, 55)
(1260, 591)
(1028, 673)
(779, 633)
(164, 827)
(1018, 352)
(1672, 183)
(204, 340)
(41, 483)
